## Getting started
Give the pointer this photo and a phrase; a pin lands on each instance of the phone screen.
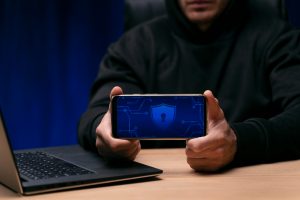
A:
(158, 116)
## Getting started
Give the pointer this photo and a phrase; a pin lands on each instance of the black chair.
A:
(138, 11)
(273, 8)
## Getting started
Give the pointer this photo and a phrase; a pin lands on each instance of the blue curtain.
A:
(49, 56)
(293, 7)
(50, 53)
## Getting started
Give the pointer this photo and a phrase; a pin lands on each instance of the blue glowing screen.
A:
(146, 117)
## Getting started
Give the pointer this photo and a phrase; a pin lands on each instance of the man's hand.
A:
(110, 147)
(218, 147)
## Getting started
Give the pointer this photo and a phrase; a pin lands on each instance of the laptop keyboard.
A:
(40, 165)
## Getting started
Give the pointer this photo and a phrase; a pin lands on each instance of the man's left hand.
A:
(218, 147)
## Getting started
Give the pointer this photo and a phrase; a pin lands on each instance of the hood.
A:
(230, 19)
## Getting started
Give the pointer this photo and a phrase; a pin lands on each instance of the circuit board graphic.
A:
(147, 117)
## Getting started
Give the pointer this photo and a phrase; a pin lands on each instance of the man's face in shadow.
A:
(202, 12)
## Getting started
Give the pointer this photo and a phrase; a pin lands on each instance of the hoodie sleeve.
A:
(277, 138)
(121, 66)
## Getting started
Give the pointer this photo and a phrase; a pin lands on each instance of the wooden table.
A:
(179, 181)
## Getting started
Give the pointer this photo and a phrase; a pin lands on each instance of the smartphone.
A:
(163, 116)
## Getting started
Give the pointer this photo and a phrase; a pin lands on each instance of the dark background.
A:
(49, 56)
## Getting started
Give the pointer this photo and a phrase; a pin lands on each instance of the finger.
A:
(215, 153)
(214, 112)
(104, 130)
(132, 155)
(192, 154)
(204, 164)
(201, 144)
(120, 145)
(116, 144)
(122, 148)
(104, 133)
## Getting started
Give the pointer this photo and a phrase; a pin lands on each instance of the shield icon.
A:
(163, 115)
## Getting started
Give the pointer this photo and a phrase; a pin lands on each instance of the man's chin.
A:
(201, 16)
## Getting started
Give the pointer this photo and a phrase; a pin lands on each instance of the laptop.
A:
(41, 170)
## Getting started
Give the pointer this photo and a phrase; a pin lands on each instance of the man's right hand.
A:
(111, 147)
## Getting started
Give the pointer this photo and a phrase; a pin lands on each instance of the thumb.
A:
(214, 112)
(115, 91)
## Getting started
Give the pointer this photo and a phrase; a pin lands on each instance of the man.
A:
(250, 61)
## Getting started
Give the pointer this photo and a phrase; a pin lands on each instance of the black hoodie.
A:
(249, 58)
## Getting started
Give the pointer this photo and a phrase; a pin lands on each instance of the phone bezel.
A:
(114, 115)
